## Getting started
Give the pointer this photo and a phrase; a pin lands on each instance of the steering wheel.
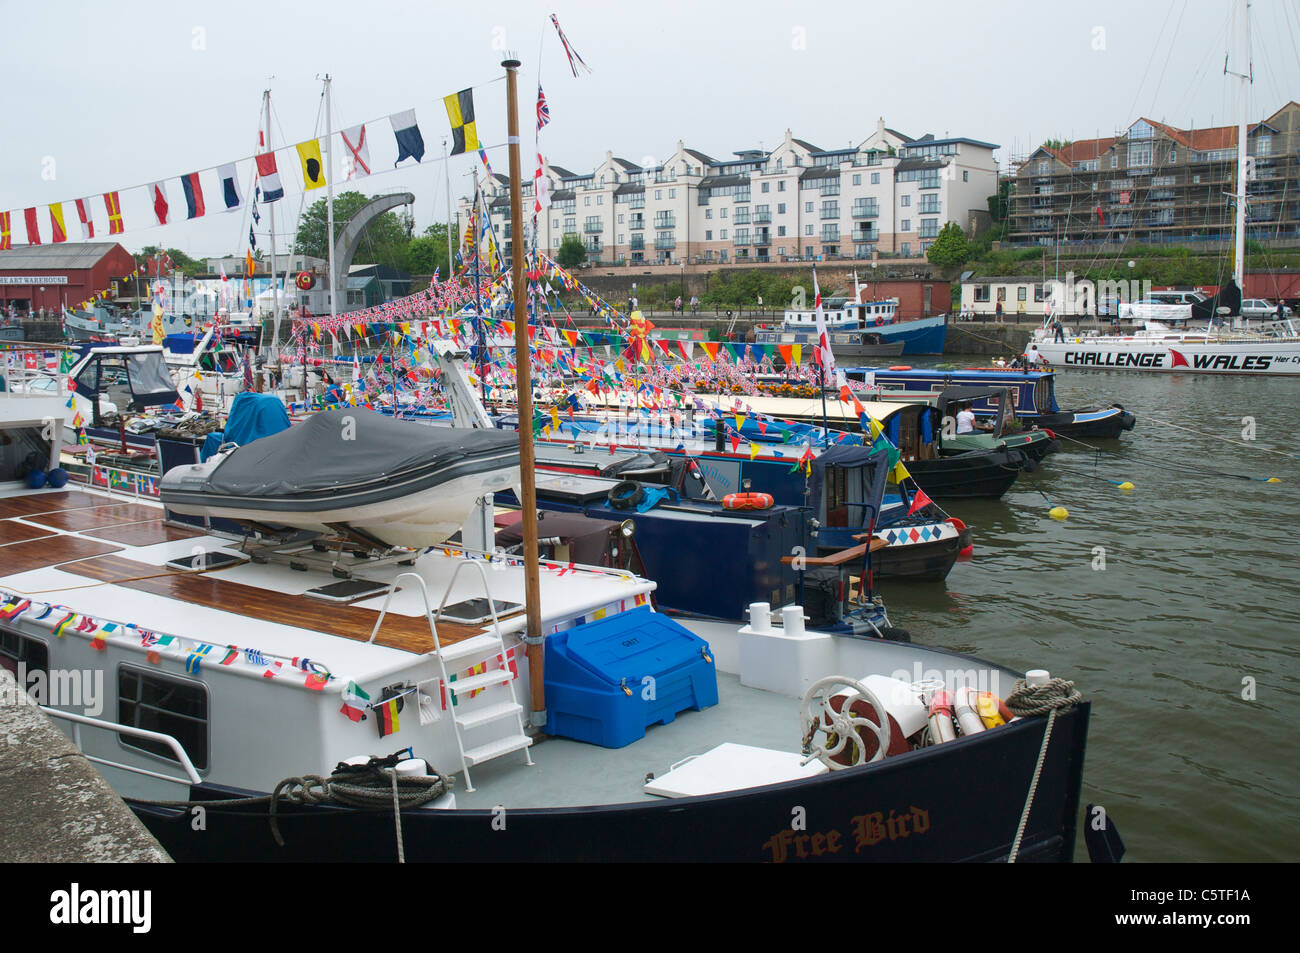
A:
(840, 727)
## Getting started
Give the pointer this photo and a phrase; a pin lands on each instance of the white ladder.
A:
(487, 648)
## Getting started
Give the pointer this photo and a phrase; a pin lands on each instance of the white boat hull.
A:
(420, 519)
(1175, 353)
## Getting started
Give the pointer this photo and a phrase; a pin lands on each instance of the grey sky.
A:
(120, 94)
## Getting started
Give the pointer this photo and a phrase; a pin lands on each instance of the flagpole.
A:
(275, 299)
(446, 165)
(329, 196)
(524, 403)
(478, 303)
(826, 428)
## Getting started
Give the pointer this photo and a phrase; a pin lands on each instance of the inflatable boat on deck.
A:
(394, 482)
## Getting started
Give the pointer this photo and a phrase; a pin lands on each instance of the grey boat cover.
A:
(334, 453)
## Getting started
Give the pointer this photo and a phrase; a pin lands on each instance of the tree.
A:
(949, 248)
(180, 261)
(572, 252)
(384, 241)
(428, 253)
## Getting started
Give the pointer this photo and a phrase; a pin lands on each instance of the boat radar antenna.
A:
(524, 404)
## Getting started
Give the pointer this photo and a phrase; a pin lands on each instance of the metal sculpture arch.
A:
(345, 247)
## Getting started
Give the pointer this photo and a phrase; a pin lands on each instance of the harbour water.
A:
(1188, 640)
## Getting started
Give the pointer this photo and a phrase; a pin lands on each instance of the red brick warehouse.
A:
(51, 276)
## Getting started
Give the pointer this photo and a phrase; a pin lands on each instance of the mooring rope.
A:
(370, 787)
(1026, 700)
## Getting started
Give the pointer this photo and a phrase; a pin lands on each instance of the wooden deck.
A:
(50, 551)
(14, 532)
(81, 518)
(209, 590)
(144, 534)
(29, 505)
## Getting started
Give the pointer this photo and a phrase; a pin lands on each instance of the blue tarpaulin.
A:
(255, 415)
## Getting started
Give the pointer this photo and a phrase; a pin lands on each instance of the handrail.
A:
(177, 749)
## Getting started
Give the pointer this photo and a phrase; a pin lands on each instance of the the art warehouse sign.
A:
(33, 279)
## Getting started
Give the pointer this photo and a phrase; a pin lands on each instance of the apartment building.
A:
(887, 196)
(1156, 183)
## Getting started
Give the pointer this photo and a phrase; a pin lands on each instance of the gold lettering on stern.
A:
(868, 831)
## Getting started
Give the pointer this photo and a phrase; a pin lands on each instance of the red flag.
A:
(33, 232)
(919, 500)
(1101, 215)
(87, 223)
(158, 196)
(114, 206)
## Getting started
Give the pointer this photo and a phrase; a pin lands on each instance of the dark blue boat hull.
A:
(960, 801)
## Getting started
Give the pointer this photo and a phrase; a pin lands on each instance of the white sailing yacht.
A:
(1214, 349)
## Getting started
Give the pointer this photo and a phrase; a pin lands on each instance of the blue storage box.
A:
(665, 668)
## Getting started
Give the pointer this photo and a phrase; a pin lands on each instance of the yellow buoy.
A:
(1126, 485)
(1058, 512)
(1272, 480)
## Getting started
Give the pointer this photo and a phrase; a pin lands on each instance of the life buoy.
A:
(879, 322)
(747, 501)
(625, 495)
(901, 367)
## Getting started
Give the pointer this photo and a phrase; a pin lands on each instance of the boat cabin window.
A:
(15, 649)
(837, 497)
(171, 706)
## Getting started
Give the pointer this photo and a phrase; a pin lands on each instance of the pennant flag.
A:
(230, 194)
(158, 198)
(60, 629)
(574, 59)
(114, 206)
(316, 681)
(272, 191)
(313, 173)
(87, 223)
(56, 223)
(33, 233)
(410, 144)
(460, 111)
(194, 207)
(900, 472)
(249, 264)
(6, 241)
(358, 158)
(919, 500)
(386, 715)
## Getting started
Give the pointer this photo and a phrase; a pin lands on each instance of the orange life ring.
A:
(879, 321)
(901, 367)
(747, 501)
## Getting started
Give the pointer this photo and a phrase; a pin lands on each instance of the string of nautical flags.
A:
(216, 189)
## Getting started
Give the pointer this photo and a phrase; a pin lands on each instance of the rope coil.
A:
(374, 786)
(1026, 701)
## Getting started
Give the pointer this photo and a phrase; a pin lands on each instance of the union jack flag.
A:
(543, 109)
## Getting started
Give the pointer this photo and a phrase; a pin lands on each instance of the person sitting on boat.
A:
(966, 422)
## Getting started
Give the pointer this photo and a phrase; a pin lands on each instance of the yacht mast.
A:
(524, 404)
(275, 298)
(1241, 69)
(329, 193)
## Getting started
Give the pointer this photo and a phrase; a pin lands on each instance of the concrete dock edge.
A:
(55, 807)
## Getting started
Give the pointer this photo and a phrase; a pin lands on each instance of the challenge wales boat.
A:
(352, 471)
